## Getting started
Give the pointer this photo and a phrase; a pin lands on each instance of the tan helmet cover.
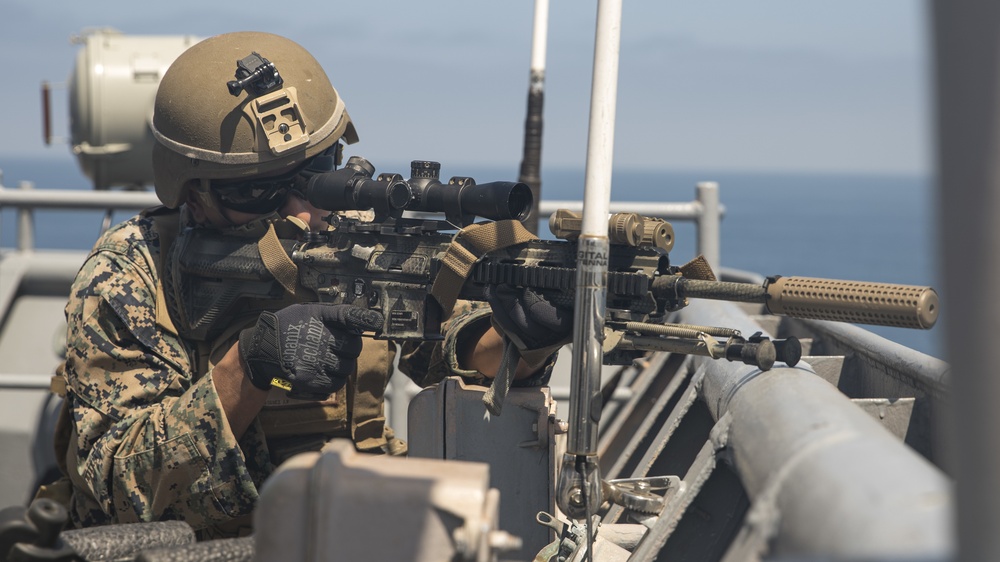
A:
(204, 132)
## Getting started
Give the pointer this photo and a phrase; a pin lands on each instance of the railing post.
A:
(708, 222)
(26, 222)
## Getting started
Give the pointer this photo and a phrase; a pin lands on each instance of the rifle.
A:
(412, 269)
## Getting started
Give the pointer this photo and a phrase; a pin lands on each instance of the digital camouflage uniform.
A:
(150, 440)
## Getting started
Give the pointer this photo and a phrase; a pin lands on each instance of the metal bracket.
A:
(639, 494)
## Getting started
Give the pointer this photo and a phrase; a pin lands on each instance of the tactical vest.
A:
(291, 426)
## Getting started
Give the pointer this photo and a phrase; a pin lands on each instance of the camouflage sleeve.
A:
(153, 442)
(428, 363)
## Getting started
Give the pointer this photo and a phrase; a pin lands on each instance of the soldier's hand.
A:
(533, 320)
(308, 349)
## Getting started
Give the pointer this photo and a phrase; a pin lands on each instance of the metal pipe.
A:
(127, 200)
(601, 135)
(21, 381)
(708, 222)
(564, 392)
(578, 489)
(671, 211)
(25, 222)
(531, 162)
(825, 479)
(966, 38)
(540, 37)
(74, 200)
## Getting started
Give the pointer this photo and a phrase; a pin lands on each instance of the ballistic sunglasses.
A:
(266, 195)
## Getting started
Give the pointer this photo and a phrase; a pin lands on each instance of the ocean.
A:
(843, 226)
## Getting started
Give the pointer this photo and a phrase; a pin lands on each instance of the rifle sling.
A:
(276, 260)
(495, 395)
(468, 245)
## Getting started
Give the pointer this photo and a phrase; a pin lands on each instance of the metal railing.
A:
(26, 199)
(705, 211)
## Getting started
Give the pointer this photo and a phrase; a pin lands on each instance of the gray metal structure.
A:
(967, 64)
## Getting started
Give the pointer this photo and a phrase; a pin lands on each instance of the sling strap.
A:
(468, 245)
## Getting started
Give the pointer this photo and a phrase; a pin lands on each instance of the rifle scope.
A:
(352, 188)
(461, 199)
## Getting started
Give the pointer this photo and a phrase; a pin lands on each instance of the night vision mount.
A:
(256, 75)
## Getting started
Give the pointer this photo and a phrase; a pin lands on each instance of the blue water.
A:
(866, 227)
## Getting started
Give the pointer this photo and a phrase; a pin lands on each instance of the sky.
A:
(783, 85)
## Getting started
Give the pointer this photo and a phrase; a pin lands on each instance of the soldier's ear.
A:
(204, 209)
(195, 207)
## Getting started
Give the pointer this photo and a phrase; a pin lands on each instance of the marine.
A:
(159, 423)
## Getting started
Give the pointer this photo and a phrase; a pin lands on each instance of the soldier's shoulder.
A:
(133, 238)
(133, 241)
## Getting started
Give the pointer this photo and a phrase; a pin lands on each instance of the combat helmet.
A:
(242, 105)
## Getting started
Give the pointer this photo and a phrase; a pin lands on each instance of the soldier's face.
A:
(294, 206)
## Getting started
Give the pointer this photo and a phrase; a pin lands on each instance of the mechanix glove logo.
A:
(307, 349)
